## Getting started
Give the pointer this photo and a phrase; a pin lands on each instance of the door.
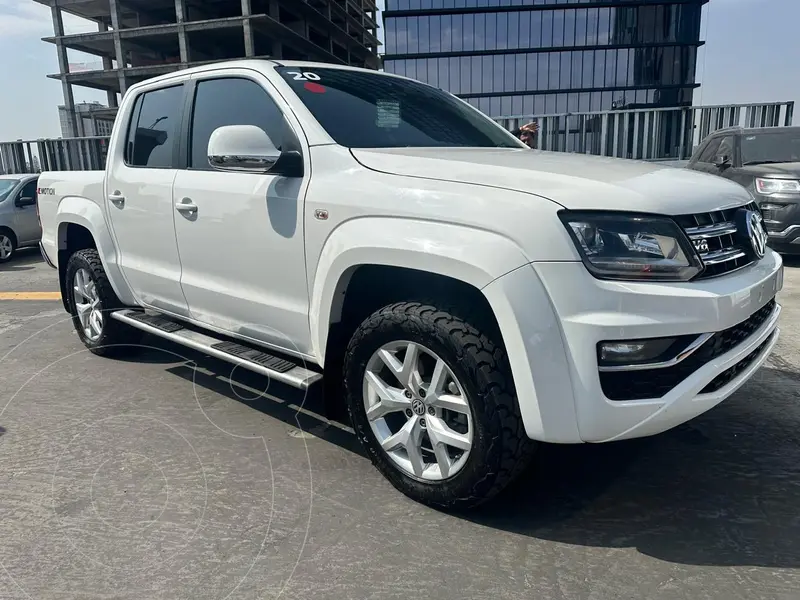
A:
(26, 223)
(140, 203)
(241, 248)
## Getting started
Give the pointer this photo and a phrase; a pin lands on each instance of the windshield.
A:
(773, 147)
(6, 185)
(371, 110)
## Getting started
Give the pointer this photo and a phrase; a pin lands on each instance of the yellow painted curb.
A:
(30, 296)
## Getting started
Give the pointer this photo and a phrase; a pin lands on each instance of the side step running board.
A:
(280, 369)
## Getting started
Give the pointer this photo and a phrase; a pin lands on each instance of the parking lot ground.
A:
(171, 475)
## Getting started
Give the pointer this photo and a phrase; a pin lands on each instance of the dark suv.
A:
(767, 162)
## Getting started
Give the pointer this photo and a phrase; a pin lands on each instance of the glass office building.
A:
(537, 57)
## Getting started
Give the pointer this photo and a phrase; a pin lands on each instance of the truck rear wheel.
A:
(433, 402)
(91, 299)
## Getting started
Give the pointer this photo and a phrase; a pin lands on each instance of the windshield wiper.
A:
(763, 162)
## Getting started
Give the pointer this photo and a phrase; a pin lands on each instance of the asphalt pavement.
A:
(172, 475)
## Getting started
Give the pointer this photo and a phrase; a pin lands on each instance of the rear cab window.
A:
(362, 109)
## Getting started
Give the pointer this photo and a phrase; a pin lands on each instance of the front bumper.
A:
(782, 219)
(786, 240)
(562, 312)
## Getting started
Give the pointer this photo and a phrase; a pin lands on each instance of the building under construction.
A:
(139, 39)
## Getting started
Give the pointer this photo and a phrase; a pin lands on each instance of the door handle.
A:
(186, 206)
(117, 199)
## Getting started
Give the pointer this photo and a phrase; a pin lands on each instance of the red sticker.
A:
(314, 87)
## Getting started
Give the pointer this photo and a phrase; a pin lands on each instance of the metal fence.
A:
(63, 154)
(647, 133)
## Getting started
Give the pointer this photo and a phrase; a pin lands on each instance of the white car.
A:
(464, 296)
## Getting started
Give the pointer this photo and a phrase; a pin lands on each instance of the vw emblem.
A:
(418, 406)
(751, 234)
(756, 233)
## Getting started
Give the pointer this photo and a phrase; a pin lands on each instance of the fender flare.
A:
(474, 256)
(86, 213)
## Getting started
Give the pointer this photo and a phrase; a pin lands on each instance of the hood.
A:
(576, 181)
(787, 170)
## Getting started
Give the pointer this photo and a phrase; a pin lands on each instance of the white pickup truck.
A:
(464, 296)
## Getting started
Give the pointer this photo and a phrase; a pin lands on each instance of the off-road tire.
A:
(500, 448)
(117, 338)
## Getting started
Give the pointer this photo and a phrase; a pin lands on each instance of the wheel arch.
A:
(444, 255)
(80, 224)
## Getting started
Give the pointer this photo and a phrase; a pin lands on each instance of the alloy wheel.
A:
(87, 305)
(6, 247)
(417, 410)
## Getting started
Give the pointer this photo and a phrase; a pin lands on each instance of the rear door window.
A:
(155, 122)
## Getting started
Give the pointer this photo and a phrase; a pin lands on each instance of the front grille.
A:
(728, 375)
(656, 383)
(725, 252)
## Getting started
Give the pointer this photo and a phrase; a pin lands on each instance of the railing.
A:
(647, 133)
(63, 154)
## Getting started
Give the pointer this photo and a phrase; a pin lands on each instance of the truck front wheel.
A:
(432, 400)
(91, 300)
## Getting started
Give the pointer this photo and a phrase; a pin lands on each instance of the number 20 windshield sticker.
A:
(309, 78)
(306, 76)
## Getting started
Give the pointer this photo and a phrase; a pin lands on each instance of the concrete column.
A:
(63, 67)
(107, 61)
(183, 39)
(118, 50)
(247, 29)
(275, 13)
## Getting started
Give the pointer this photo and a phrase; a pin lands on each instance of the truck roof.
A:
(256, 64)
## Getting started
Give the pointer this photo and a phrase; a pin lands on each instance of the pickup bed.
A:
(462, 296)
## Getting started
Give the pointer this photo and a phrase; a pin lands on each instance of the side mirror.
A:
(25, 201)
(723, 161)
(240, 148)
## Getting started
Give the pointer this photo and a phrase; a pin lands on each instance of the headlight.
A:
(632, 246)
(777, 186)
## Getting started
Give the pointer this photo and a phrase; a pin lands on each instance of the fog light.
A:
(626, 352)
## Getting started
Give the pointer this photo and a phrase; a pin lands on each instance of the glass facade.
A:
(522, 57)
